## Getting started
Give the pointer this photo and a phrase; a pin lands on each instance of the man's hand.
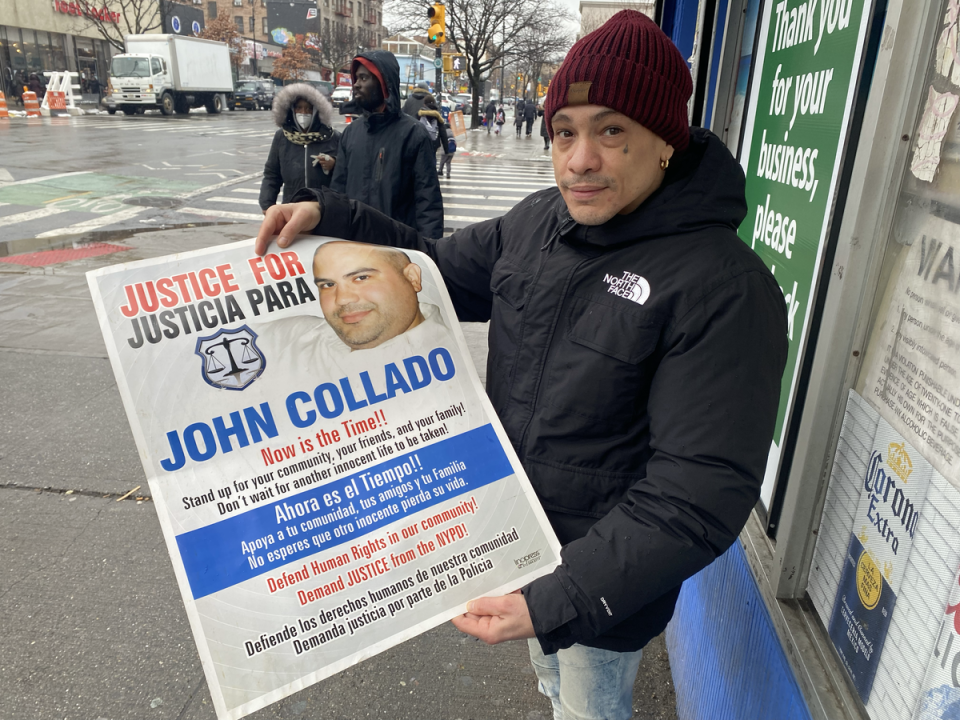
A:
(497, 619)
(287, 221)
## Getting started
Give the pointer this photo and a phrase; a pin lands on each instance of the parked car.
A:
(465, 102)
(447, 105)
(341, 95)
(253, 95)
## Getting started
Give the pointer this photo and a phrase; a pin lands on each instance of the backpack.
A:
(431, 128)
(451, 146)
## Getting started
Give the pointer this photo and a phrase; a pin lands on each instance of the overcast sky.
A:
(572, 5)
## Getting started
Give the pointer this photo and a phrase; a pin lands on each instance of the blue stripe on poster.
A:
(231, 551)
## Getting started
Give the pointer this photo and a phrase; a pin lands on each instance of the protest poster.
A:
(329, 475)
(893, 491)
(803, 93)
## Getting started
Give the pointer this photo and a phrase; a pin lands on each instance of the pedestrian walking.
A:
(304, 149)
(432, 121)
(518, 117)
(19, 85)
(530, 115)
(415, 100)
(544, 131)
(489, 113)
(95, 87)
(636, 350)
(36, 85)
(386, 158)
(501, 118)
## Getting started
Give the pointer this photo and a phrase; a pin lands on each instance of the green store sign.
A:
(801, 100)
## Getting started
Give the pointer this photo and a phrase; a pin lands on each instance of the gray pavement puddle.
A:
(59, 242)
(153, 201)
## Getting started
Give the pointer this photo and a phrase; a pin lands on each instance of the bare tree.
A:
(486, 32)
(293, 62)
(114, 19)
(223, 29)
(540, 47)
(339, 45)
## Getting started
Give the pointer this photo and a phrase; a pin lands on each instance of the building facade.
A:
(38, 37)
(594, 13)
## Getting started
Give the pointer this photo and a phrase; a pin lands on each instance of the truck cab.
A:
(137, 82)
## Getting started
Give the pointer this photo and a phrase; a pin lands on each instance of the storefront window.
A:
(888, 549)
(86, 62)
(31, 52)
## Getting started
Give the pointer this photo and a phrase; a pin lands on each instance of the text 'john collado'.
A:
(201, 441)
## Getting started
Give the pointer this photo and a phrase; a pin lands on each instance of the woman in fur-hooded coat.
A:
(304, 150)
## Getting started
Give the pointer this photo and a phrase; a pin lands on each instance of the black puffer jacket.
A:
(414, 102)
(636, 368)
(290, 164)
(388, 161)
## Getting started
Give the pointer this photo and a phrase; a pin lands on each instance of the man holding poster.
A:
(636, 350)
(329, 477)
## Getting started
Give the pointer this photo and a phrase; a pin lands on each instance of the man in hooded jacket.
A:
(414, 103)
(636, 350)
(387, 159)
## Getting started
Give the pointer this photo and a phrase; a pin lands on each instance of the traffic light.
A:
(438, 24)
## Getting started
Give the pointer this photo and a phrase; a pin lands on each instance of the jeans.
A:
(585, 683)
(445, 159)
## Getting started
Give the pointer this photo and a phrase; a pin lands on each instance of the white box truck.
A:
(172, 73)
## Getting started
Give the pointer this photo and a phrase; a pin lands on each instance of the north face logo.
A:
(631, 286)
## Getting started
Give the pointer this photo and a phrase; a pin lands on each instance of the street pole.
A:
(439, 81)
(253, 10)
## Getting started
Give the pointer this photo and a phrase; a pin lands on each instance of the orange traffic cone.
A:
(30, 104)
(3, 107)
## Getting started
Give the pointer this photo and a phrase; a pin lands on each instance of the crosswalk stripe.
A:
(491, 208)
(239, 201)
(222, 214)
(463, 218)
(44, 178)
(516, 198)
(496, 183)
(247, 190)
(30, 215)
(499, 171)
(95, 223)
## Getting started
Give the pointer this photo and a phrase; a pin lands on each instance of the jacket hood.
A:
(703, 187)
(389, 69)
(287, 97)
(428, 113)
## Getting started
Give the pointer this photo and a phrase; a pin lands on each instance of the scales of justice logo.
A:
(231, 358)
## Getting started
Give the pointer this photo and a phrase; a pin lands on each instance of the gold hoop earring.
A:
(664, 164)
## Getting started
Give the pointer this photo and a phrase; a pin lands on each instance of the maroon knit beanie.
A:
(629, 65)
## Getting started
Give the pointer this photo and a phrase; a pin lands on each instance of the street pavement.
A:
(93, 626)
(99, 173)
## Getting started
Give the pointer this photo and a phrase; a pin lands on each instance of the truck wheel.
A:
(215, 104)
(181, 106)
(167, 104)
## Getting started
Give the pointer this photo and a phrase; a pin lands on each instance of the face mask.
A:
(303, 120)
